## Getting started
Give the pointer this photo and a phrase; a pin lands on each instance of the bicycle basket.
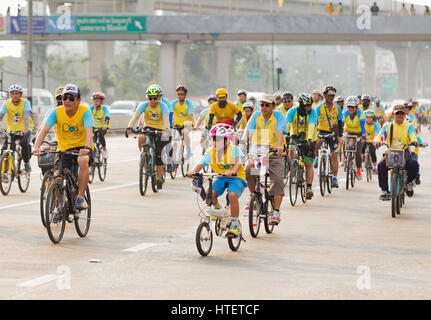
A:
(350, 144)
(394, 158)
(46, 161)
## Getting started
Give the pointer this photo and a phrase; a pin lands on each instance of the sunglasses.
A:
(180, 94)
(287, 101)
(70, 98)
(400, 113)
(265, 105)
(59, 98)
(152, 98)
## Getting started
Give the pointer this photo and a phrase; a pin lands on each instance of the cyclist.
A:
(254, 101)
(303, 122)
(339, 101)
(410, 117)
(204, 116)
(371, 129)
(156, 116)
(18, 119)
(379, 111)
(225, 158)
(102, 120)
(287, 99)
(365, 102)
(75, 132)
(266, 127)
(330, 119)
(353, 125)
(317, 98)
(183, 116)
(396, 134)
(59, 99)
(223, 111)
(242, 98)
(277, 99)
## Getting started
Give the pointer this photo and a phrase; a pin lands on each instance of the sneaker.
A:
(334, 183)
(80, 203)
(375, 171)
(189, 153)
(169, 168)
(27, 167)
(309, 194)
(316, 162)
(385, 196)
(233, 231)
(418, 180)
(159, 184)
(410, 191)
(275, 219)
(57, 216)
(359, 174)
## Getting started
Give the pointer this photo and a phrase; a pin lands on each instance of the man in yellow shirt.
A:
(17, 110)
(102, 121)
(183, 116)
(75, 132)
(317, 98)
(330, 9)
(223, 110)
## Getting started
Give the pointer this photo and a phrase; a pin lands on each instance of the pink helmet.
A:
(223, 130)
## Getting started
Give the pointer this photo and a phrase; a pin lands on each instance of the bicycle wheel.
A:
(369, 167)
(6, 175)
(174, 149)
(269, 228)
(184, 166)
(46, 183)
(83, 218)
(322, 176)
(348, 165)
(293, 183)
(234, 243)
(286, 171)
(92, 173)
(102, 169)
(143, 176)
(302, 184)
(55, 207)
(329, 175)
(352, 175)
(23, 177)
(204, 239)
(394, 195)
(151, 169)
(254, 215)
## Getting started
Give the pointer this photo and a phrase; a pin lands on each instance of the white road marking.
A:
(140, 247)
(39, 281)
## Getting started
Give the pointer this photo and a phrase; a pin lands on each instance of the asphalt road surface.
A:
(345, 245)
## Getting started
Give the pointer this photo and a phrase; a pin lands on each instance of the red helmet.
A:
(181, 88)
(98, 95)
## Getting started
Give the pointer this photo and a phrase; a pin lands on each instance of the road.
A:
(341, 246)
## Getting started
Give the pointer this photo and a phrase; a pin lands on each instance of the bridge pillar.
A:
(99, 53)
(368, 49)
(224, 57)
(407, 58)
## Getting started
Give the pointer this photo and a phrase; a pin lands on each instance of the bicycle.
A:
(11, 166)
(178, 152)
(46, 163)
(205, 146)
(60, 202)
(99, 161)
(217, 219)
(147, 159)
(287, 163)
(325, 163)
(350, 165)
(368, 163)
(261, 203)
(297, 179)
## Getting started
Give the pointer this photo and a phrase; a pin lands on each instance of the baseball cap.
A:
(71, 89)
(59, 91)
(268, 98)
(398, 107)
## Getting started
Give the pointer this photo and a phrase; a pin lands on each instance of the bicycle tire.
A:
(51, 204)
(352, 176)
(369, 167)
(254, 214)
(102, 170)
(199, 238)
(329, 175)
(4, 165)
(184, 166)
(44, 194)
(269, 228)
(348, 164)
(235, 242)
(151, 170)
(92, 173)
(22, 185)
(302, 184)
(394, 194)
(293, 183)
(82, 230)
(322, 176)
(143, 177)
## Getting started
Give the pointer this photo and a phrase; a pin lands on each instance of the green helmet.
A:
(369, 113)
(153, 91)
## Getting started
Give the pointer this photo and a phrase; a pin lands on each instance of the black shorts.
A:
(332, 142)
(68, 160)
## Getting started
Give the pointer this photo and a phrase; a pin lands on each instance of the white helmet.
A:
(15, 87)
(339, 99)
(352, 101)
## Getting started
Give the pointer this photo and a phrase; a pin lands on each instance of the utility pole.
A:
(29, 51)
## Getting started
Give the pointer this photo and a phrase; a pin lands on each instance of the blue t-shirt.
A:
(278, 115)
(312, 116)
(204, 112)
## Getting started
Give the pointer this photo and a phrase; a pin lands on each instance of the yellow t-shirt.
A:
(221, 165)
(223, 114)
(99, 118)
(153, 117)
(181, 113)
(15, 116)
(265, 134)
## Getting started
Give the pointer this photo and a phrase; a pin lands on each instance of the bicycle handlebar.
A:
(147, 131)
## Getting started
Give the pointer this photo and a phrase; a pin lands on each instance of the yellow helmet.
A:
(221, 92)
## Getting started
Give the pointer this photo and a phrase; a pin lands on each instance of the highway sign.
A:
(19, 25)
(111, 24)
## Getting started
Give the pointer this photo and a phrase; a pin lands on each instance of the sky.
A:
(10, 48)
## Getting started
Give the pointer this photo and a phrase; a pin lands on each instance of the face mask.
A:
(366, 104)
(222, 104)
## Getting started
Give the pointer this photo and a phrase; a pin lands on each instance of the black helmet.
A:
(181, 88)
(287, 95)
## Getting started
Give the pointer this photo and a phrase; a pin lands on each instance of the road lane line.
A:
(140, 247)
(19, 204)
(39, 281)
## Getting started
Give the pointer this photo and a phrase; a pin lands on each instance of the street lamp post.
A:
(29, 51)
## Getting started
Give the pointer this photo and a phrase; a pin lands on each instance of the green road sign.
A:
(253, 75)
(389, 85)
(110, 24)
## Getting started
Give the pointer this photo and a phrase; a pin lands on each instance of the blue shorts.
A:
(236, 185)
